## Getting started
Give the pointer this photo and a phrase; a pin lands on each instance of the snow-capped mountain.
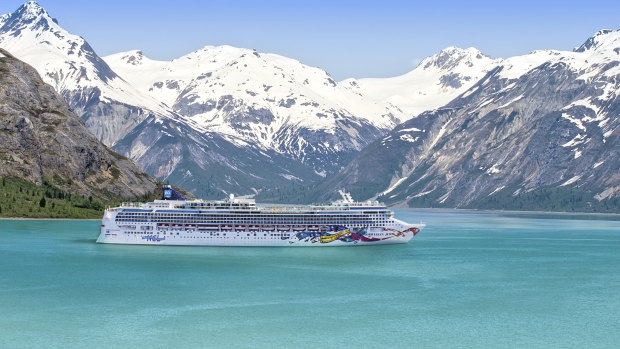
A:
(258, 112)
(109, 105)
(539, 131)
(437, 80)
(262, 100)
(477, 132)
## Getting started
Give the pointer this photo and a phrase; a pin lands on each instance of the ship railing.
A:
(320, 207)
(131, 204)
(285, 208)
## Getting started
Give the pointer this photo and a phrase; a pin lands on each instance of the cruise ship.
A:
(175, 220)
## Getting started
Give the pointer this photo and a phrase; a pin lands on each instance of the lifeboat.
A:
(253, 227)
(268, 227)
(299, 228)
(239, 227)
(226, 227)
(313, 227)
(284, 228)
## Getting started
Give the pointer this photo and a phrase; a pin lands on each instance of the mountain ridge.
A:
(320, 146)
(223, 111)
(534, 130)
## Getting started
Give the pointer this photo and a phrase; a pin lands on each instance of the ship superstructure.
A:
(175, 220)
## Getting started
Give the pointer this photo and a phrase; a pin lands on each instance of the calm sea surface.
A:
(470, 279)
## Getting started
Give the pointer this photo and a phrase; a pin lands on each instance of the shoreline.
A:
(504, 211)
(47, 219)
(467, 210)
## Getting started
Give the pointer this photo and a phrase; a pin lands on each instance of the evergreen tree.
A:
(42, 202)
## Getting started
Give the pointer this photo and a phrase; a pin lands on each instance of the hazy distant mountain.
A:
(537, 131)
(41, 138)
(437, 80)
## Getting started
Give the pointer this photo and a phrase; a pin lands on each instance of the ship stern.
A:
(106, 227)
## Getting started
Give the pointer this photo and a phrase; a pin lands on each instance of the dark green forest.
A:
(20, 198)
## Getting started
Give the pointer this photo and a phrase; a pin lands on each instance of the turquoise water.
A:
(470, 279)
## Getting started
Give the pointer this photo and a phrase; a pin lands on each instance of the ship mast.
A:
(346, 197)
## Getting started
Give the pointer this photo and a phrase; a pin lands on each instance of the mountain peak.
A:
(595, 40)
(459, 51)
(133, 57)
(451, 56)
(30, 13)
(30, 10)
(31, 7)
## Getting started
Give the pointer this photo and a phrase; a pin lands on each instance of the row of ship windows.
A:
(252, 221)
(362, 223)
(231, 221)
(181, 215)
(252, 217)
(276, 235)
(265, 236)
(212, 234)
(185, 212)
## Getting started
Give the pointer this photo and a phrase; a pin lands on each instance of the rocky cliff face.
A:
(537, 132)
(41, 138)
(206, 162)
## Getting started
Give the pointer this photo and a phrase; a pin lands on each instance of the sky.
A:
(346, 38)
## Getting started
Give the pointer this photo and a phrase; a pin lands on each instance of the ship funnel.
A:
(172, 194)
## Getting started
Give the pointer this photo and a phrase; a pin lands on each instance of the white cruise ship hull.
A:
(174, 220)
(182, 235)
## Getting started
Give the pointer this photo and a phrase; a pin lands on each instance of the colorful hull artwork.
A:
(344, 234)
